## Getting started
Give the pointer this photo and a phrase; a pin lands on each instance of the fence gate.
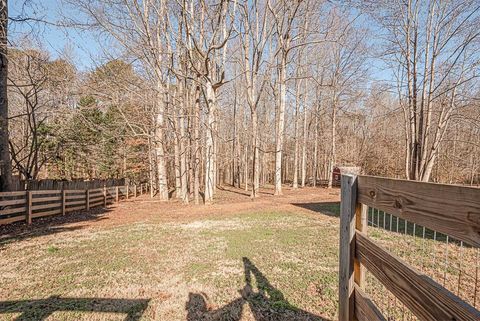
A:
(408, 250)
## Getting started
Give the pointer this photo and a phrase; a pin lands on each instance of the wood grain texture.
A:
(28, 215)
(69, 203)
(361, 225)
(449, 209)
(365, 309)
(425, 298)
(13, 202)
(75, 197)
(47, 199)
(9, 211)
(74, 208)
(37, 207)
(12, 219)
(347, 232)
(10, 194)
(46, 192)
(47, 213)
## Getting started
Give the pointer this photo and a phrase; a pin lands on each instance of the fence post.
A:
(63, 201)
(87, 199)
(104, 196)
(116, 194)
(348, 207)
(29, 207)
(135, 190)
(128, 191)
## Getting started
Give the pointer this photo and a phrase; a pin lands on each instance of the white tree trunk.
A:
(210, 153)
(161, 161)
(280, 127)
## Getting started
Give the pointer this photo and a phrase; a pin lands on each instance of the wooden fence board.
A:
(9, 194)
(38, 203)
(96, 203)
(46, 192)
(45, 206)
(74, 197)
(13, 219)
(47, 199)
(74, 208)
(68, 203)
(365, 309)
(425, 298)
(13, 202)
(47, 213)
(347, 232)
(75, 191)
(15, 210)
(449, 209)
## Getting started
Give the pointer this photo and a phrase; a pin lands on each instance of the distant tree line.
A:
(193, 94)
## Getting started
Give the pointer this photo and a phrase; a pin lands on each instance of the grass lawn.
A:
(272, 259)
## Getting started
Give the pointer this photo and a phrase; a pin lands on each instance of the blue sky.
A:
(82, 46)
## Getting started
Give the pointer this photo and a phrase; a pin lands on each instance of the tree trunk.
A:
(333, 151)
(160, 142)
(304, 145)
(5, 164)
(210, 153)
(295, 156)
(281, 126)
(256, 160)
(196, 146)
(176, 144)
(183, 154)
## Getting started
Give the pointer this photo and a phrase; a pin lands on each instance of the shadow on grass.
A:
(41, 309)
(240, 191)
(50, 225)
(327, 208)
(265, 301)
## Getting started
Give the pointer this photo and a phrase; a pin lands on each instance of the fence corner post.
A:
(63, 201)
(348, 207)
(128, 191)
(116, 194)
(29, 207)
(87, 199)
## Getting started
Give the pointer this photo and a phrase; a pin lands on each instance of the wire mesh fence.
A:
(453, 264)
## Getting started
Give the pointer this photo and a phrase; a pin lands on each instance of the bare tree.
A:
(5, 164)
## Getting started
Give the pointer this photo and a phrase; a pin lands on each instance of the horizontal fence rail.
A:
(408, 250)
(27, 205)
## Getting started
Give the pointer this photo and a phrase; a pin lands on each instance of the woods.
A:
(190, 95)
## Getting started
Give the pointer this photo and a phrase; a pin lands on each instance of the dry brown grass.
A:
(272, 259)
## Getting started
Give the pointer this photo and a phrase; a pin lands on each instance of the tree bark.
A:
(160, 151)
(5, 163)
(281, 125)
(210, 153)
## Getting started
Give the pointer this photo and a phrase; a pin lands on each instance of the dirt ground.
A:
(274, 258)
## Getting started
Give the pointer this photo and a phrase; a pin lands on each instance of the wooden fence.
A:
(451, 210)
(27, 205)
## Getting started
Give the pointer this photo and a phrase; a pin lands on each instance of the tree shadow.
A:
(47, 225)
(266, 302)
(327, 208)
(41, 309)
(240, 191)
